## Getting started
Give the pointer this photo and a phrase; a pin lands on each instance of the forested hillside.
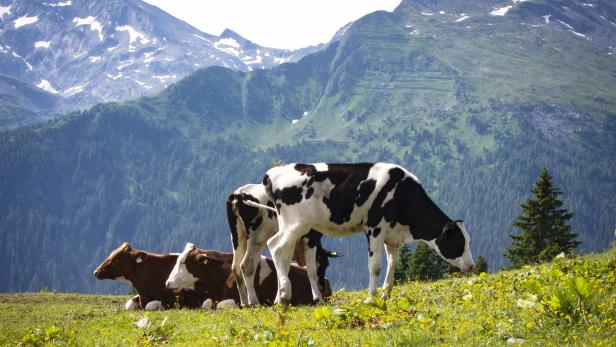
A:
(475, 108)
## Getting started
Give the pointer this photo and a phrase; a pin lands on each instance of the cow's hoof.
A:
(132, 305)
(154, 305)
(225, 304)
(283, 302)
(207, 304)
(369, 300)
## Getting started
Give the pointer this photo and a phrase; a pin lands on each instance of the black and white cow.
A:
(385, 201)
(251, 227)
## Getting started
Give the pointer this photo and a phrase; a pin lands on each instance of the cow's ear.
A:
(447, 230)
(202, 258)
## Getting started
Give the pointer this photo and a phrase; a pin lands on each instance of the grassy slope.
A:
(483, 309)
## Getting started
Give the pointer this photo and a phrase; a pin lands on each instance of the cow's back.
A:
(332, 198)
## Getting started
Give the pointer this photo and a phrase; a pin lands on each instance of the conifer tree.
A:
(545, 231)
(481, 265)
(426, 265)
(404, 263)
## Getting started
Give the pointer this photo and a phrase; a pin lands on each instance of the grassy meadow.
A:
(565, 302)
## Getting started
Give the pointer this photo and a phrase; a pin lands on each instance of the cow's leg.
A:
(393, 254)
(375, 247)
(239, 255)
(249, 268)
(310, 255)
(281, 247)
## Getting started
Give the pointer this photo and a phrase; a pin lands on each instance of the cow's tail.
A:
(257, 205)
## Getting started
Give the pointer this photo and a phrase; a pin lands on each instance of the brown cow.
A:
(147, 273)
(205, 270)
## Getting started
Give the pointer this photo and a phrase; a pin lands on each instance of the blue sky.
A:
(274, 23)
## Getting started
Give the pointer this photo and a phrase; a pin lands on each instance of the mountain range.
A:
(84, 52)
(474, 97)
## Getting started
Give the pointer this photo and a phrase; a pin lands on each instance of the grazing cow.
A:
(251, 227)
(385, 201)
(210, 271)
(147, 273)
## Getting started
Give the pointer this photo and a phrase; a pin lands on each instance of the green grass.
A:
(568, 301)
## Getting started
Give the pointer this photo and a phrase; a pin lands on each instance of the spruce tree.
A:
(402, 269)
(426, 265)
(545, 231)
(481, 265)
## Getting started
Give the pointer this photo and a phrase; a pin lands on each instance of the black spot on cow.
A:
(232, 220)
(365, 189)
(270, 213)
(346, 179)
(451, 241)
(267, 182)
(412, 207)
(289, 195)
(376, 212)
(376, 232)
(309, 192)
(248, 214)
(254, 225)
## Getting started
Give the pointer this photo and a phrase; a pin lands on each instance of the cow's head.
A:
(120, 264)
(453, 245)
(185, 273)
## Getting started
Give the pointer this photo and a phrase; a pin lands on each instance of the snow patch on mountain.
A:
(24, 20)
(42, 44)
(24, 60)
(95, 59)
(115, 77)
(134, 37)
(547, 18)
(59, 4)
(463, 18)
(500, 11)
(74, 90)
(4, 10)
(565, 24)
(45, 85)
(91, 21)
(202, 38)
(228, 45)
(252, 60)
(279, 60)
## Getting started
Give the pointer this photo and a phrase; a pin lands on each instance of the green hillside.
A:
(566, 302)
(475, 108)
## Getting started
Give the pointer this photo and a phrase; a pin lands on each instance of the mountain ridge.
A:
(88, 52)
